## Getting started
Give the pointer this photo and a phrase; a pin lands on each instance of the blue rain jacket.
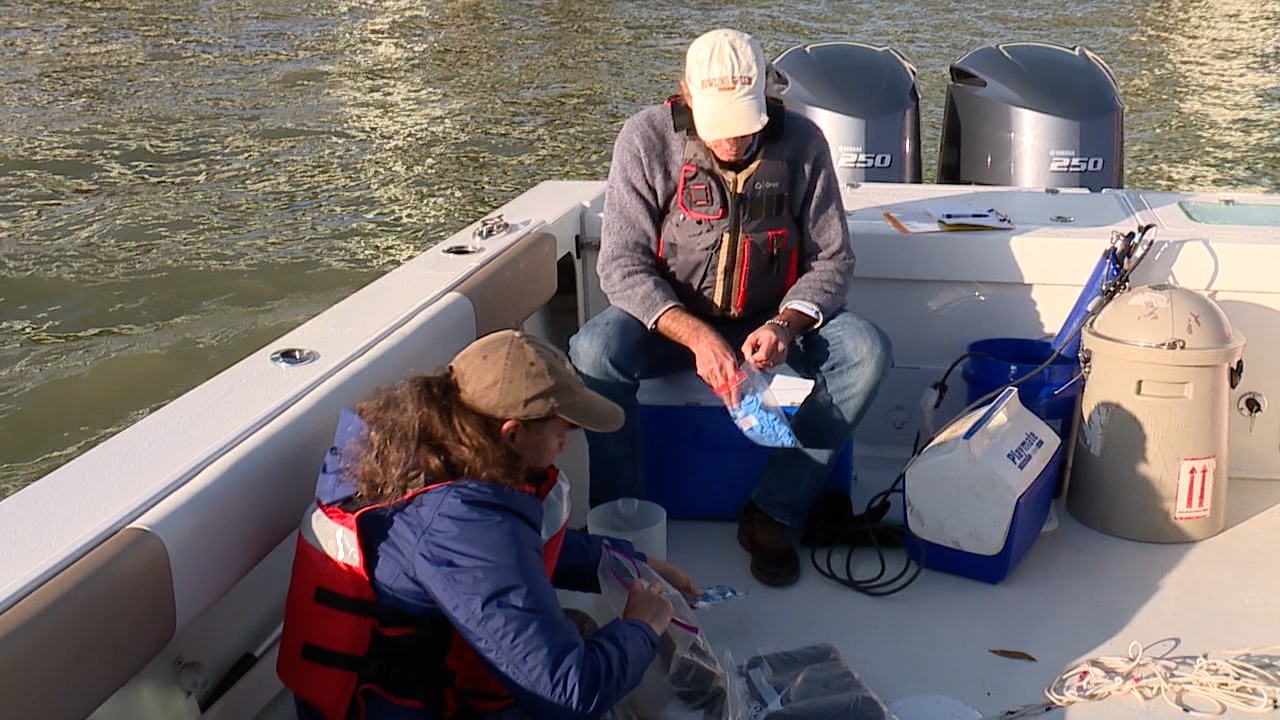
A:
(473, 551)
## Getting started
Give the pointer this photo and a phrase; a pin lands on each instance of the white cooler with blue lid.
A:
(978, 495)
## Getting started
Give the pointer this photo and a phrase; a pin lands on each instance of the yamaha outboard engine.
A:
(865, 100)
(1032, 115)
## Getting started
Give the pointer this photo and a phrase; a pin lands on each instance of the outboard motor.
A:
(865, 100)
(1032, 115)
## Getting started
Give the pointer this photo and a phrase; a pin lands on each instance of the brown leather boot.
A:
(773, 559)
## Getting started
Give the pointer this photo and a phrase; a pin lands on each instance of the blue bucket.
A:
(1051, 393)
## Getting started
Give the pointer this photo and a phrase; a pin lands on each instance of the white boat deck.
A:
(1077, 594)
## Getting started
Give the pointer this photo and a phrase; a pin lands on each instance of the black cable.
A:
(894, 534)
(941, 387)
(942, 382)
(874, 532)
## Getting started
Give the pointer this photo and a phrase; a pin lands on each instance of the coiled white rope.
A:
(1206, 685)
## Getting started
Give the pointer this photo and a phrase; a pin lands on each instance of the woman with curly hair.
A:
(424, 582)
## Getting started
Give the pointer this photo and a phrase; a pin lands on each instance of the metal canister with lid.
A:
(1151, 450)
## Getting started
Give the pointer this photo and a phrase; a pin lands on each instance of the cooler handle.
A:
(992, 409)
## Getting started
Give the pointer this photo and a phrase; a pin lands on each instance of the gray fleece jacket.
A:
(647, 157)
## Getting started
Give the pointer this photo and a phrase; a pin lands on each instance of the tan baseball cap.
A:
(724, 74)
(511, 375)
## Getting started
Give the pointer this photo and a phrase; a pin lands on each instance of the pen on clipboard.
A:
(977, 216)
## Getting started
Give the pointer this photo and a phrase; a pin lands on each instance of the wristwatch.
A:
(784, 324)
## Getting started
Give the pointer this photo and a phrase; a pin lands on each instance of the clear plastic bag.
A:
(754, 409)
(805, 683)
(685, 681)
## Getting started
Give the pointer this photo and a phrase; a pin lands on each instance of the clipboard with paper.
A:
(948, 218)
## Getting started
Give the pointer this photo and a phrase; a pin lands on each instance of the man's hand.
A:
(715, 361)
(766, 346)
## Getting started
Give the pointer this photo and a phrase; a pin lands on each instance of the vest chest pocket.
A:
(689, 248)
(695, 225)
(770, 265)
(701, 195)
(774, 253)
(683, 231)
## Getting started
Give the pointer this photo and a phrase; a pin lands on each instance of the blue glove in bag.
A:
(754, 410)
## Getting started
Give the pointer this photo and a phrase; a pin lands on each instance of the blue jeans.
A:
(846, 358)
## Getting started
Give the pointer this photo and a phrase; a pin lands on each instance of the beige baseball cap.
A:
(509, 374)
(724, 74)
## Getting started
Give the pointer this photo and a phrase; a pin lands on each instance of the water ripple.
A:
(180, 183)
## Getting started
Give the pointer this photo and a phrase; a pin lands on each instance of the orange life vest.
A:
(339, 642)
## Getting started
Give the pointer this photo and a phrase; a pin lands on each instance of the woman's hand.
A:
(647, 603)
(677, 577)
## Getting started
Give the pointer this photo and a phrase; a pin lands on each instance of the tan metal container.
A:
(1151, 450)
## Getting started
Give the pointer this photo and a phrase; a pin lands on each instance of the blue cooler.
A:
(978, 496)
(695, 462)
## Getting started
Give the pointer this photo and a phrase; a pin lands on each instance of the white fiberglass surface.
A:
(1076, 594)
